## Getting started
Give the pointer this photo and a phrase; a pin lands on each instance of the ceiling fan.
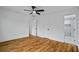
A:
(34, 10)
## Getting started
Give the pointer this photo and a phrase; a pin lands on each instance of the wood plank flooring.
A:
(36, 44)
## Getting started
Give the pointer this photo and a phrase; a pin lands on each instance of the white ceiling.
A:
(47, 9)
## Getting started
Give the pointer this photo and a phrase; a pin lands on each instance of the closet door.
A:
(70, 28)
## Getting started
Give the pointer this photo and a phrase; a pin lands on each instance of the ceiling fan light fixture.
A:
(34, 12)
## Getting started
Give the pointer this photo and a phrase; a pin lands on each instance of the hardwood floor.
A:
(36, 44)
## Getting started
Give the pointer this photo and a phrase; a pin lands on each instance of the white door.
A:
(70, 28)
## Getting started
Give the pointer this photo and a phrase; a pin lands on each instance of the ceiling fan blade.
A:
(31, 13)
(33, 7)
(40, 10)
(26, 10)
(38, 13)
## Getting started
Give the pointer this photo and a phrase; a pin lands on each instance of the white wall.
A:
(13, 25)
(55, 22)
